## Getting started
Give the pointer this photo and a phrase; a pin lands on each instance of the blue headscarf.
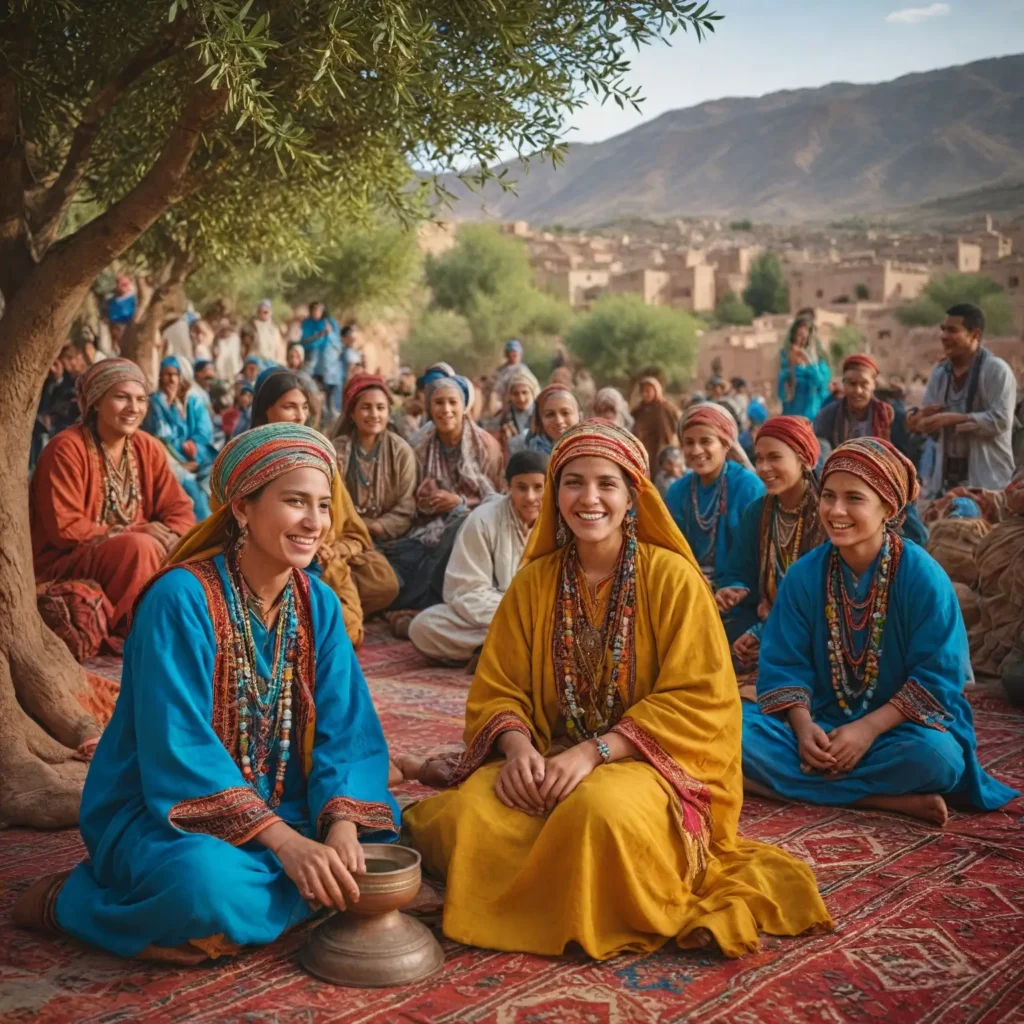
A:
(515, 345)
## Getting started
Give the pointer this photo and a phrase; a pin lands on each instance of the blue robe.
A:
(921, 671)
(811, 391)
(323, 355)
(166, 423)
(167, 817)
(742, 488)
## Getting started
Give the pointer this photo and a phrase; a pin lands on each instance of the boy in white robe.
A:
(484, 559)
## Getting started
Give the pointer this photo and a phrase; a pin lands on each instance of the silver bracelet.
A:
(604, 750)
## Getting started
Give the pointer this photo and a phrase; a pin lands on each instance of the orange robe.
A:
(69, 540)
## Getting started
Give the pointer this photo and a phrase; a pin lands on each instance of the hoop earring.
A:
(561, 532)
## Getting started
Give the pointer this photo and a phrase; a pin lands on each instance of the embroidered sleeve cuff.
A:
(367, 816)
(235, 815)
(783, 698)
(452, 772)
(916, 704)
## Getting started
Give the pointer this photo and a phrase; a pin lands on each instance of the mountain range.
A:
(798, 155)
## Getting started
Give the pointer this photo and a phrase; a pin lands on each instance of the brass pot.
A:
(372, 945)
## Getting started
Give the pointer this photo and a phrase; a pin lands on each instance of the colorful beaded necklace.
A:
(707, 522)
(580, 648)
(780, 546)
(120, 486)
(264, 705)
(855, 674)
(366, 465)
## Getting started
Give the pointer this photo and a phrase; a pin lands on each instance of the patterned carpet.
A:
(930, 924)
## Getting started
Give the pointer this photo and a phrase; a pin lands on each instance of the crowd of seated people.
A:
(659, 610)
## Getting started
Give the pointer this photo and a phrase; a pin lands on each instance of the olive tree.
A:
(221, 122)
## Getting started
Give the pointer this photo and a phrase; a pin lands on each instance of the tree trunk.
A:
(43, 691)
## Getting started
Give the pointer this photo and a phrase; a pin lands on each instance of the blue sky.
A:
(765, 45)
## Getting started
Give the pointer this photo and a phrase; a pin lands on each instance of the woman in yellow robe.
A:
(612, 820)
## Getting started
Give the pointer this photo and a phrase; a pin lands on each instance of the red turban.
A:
(357, 385)
(797, 433)
(885, 469)
(709, 414)
(860, 361)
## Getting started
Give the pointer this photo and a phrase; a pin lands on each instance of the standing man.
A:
(513, 365)
(968, 405)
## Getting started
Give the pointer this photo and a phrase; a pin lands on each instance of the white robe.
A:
(483, 561)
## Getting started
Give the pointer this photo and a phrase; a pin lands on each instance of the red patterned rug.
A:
(930, 924)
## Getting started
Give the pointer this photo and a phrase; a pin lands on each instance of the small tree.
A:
(766, 291)
(622, 334)
(443, 335)
(947, 290)
(482, 262)
(210, 116)
(731, 309)
(862, 292)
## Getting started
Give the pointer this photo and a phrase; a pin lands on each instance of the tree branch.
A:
(15, 252)
(47, 211)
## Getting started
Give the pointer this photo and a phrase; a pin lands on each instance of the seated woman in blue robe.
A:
(863, 661)
(179, 416)
(708, 500)
(774, 530)
(244, 763)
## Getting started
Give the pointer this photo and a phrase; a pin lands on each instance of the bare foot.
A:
(395, 776)
(927, 806)
(408, 766)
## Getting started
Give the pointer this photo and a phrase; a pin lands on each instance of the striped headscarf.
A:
(797, 433)
(251, 461)
(92, 385)
(603, 440)
(885, 469)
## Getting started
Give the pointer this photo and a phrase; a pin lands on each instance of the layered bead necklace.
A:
(264, 705)
(590, 709)
(781, 547)
(707, 522)
(120, 486)
(365, 464)
(855, 673)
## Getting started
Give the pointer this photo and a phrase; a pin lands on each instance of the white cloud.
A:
(915, 15)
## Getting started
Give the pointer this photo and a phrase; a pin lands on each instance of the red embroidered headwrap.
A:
(709, 414)
(860, 361)
(603, 440)
(796, 432)
(886, 470)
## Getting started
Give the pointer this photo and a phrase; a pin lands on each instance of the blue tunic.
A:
(167, 817)
(742, 488)
(166, 422)
(921, 671)
(811, 380)
(323, 355)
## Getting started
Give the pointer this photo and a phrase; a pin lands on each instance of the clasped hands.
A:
(835, 752)
(535, 784)
(931, 418)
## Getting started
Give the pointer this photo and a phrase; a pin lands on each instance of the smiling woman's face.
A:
(289, 519)
(593, 498)
(850, 511)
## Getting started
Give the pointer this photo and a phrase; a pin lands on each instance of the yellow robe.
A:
(643, 850)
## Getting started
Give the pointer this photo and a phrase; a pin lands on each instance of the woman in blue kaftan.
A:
(874, 720)
(321, 339)
(708, 500)
(803, 379)
(178, 796)
(179, 416)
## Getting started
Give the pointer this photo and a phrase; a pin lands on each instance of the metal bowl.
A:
(372, 945)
